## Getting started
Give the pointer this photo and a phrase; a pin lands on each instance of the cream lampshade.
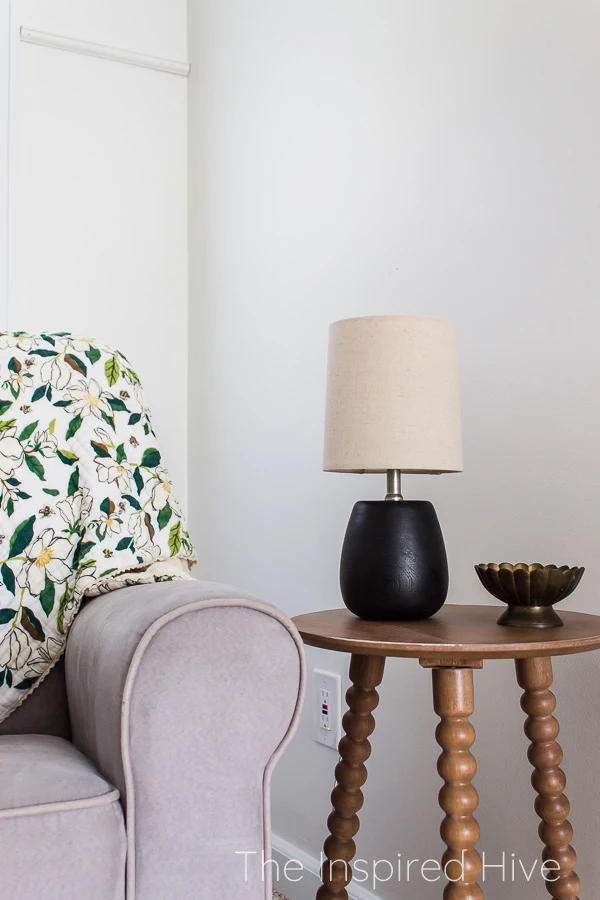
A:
(393, 406)
(392, 396)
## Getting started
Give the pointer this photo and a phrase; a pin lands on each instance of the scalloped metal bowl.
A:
(530, 590)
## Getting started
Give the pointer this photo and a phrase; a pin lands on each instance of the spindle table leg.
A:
(366, 672)
(545, 755)
(453, 698)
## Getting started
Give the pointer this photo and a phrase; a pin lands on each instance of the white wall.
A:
(354, 158)
(100, 225)
(4, 153)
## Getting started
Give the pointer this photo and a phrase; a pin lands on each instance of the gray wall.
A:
(352, 158)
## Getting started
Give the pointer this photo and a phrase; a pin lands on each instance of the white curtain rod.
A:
(101, 51)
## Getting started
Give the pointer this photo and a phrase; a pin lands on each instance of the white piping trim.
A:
(60, 806)
(102, 51)
(196, 606)
(292, 728)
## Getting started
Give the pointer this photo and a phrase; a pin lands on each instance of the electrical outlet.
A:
(327, 708)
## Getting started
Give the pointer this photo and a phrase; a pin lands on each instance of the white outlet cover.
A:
(328, 734)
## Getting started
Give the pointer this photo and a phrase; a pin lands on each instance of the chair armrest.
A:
(184, 694)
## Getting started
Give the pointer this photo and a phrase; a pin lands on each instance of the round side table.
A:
(451, 644)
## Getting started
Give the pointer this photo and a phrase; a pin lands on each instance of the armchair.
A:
(140, 770)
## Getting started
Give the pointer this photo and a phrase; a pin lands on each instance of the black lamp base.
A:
(394, 565)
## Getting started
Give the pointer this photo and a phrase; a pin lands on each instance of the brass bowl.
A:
(529, 590)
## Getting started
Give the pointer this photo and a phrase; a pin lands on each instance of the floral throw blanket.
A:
(87, 504)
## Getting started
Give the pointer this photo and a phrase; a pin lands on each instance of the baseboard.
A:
(306, 888)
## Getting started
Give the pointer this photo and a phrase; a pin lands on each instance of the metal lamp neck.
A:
(394, 484)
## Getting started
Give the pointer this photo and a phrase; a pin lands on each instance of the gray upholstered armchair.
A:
(117, 781)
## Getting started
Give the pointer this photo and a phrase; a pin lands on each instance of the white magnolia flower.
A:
(56, 372)
(22, 342)
(8, 493)
(46, 556)
(86, 580)
(162, 488)
(21, 379)
(11, 452)
(138, 529)
(45, 656)
(14, 649)
(149, 553)
(108, 470)
(77, 507)
(112, 525)
(103, 436)
(48, 444)
(88, 397)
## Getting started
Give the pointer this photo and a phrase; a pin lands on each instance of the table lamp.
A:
(393, 406)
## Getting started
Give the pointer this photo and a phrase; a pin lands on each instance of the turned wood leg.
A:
(454, 702)
(358, 723)
(548, 779)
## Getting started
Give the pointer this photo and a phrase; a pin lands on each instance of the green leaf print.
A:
(117, 405)
(77, 364)
(25, 684)
(112, 370)
(107, 506)
(44, 352)
(164, 515)
(28, 431)
(21, 537)
(62, 608)
(73, 482)
(67, 457)
(8, 577)
(124, 543)
(175, 538)
(100, 449)
(93, 354)
(47, 596)
(74, 426)
(35, 466)
(150, 458)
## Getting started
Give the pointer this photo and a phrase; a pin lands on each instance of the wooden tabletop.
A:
(465, 632)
